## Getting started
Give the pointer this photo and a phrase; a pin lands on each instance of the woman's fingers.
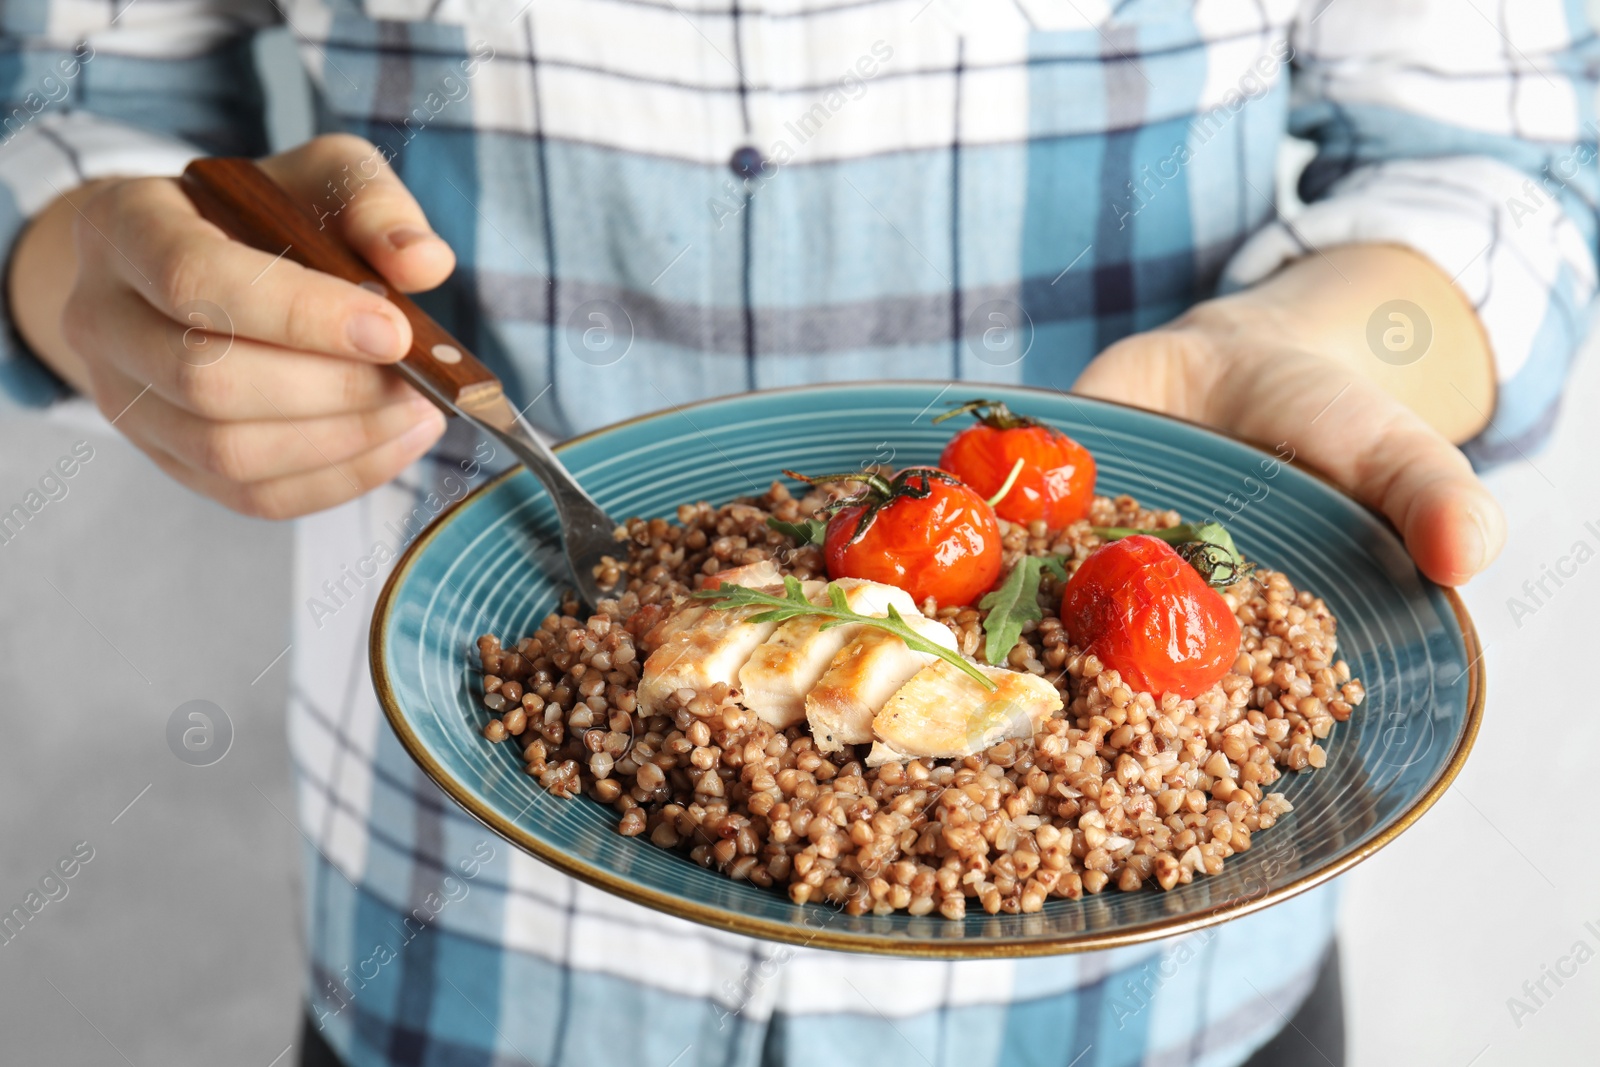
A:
(348, 184)
(302, 494)
(1332, 419)
(265, 449)
(1379, 450)
(185, 268)
(223, 378)
(251, 379)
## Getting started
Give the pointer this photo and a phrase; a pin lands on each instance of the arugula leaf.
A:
(836, 598)
(808, 532)
(1015, 604)
(793, 605)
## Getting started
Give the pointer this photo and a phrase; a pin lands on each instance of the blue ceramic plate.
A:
(494, 560)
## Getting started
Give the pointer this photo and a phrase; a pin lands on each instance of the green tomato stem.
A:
(1214, 555)
(992, 413)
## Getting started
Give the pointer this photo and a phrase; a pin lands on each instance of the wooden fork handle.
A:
(241, 200)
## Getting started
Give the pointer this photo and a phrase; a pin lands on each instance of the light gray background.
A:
(177, 944)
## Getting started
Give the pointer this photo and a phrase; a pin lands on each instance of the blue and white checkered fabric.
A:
(654, 201)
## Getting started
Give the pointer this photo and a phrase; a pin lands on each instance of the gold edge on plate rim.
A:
(910, 947)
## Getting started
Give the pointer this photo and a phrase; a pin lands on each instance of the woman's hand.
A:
(1288, 363)
(248, 378)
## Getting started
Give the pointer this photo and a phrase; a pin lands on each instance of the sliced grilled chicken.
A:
(854, 682)
(794, 658)
(698, 646)
(944, 713)
(862, 677)
(760, 575)
(756, 575)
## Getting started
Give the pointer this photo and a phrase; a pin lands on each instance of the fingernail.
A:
(403, 237)
(374, 334)
(1487, 542)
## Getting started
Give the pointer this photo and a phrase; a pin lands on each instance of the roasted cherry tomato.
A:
(923, 531)
(1148, 614)
(1055, 483)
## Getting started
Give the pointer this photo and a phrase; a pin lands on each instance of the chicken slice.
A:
(763, 574)
(863, 677)
(944, 713)
(757, 575)
(700, 646)
(791, 662)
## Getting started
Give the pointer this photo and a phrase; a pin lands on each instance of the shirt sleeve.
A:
(1465, 130)
(92, 89)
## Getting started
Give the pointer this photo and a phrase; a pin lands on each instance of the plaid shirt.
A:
(654, 201)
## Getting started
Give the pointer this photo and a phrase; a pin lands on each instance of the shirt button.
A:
(747, 163)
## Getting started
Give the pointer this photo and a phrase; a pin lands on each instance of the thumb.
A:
(348, 183)
(1401, 466)
(1335, 421)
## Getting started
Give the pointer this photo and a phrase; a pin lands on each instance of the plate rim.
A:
(946, 948)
